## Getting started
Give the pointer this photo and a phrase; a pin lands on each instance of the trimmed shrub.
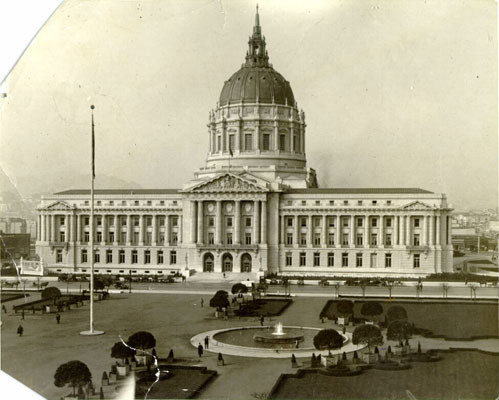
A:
(73, 373)
(328, 339)
(371, 309)
(399, 330)
(367, 334)
(396, 313)
(121, 351)
(239, 288)
(51, 293)
(142, 340)
(344, 307)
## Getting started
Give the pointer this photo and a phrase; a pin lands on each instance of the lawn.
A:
(266, 307)
(452, 378)
(5, 297)
(453, 320)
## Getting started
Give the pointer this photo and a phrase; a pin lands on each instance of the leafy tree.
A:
(73, 373)
(51, 293)
(141, 340)
(399, 330)
(121, 351)
(220, 300)
(344, 307)
(371, 309)
(328, 339)
(239, 288)
(396, 313)
(367, 334)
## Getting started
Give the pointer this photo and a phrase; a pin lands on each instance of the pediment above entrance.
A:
(59, 206)
(227, 183)
(417, 206)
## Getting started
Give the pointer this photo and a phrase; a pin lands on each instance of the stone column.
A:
(431, 232)
(193, 222)
(180, 229)
(310, 231)
(352, 231)
(70, 237)
(256, 217)
(141, 229)
(324, 231)
(78, 227)
(424, 237)
(366, 231)
(200, 217)
(52, 228)
(43, 236)
(283, 230)
(104, 228)
(402, 230)
(154, 241)
(263, 237)
(218, 223)
(237, 222)
(438, 231)
(297, 230)
(381, 239)
(395, 230)
(408, 231)
(338, 231)
(167, 229)
(129, 229)
(449, 236)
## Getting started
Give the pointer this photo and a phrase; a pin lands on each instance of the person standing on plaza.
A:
(22, 314)
(206, 342)
(20, 330)
(58, 318)
(200, 349)
(202, 303)
(4, 309)
(262, 319)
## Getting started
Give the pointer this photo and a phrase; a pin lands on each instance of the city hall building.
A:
(254, 208)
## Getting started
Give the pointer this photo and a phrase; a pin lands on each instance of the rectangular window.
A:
(374, 239)
(229, 238)
(148, 237)
(229, 222)
(148, 218)
(122, 257)
(345, 202)
(211, 222)
(289, 239)
(86, 221)
(303, 259)
(345, 222)
(136, 237)
(109, 256)
(211, 238)
(374, 202)
(331, 222)
(330, 259)
(136, 221)
(248, 142)
(99, 237)
(135, 257)
(58, 257)
(173, 257)
(388, 260)
(358, 260)
(147, 257)
(174, 220)
(359, 222)
(388, 239)
(317, 239)
(331, 202)
(123, 221)
(374, 260)
(247, 222)
(303, 239)
(62, 236)
(289, 222)
(160, 257)
(388, 202)
(84, 256)
(123, 237)
(99, 221)
(266, 142)
(416, 222)
(174, 238)
(359, 202)
(99, 202)
(247, 238)
(219, 143)
(161, 203)
(360, 240)
(330, 239)
(344, 260)
(295, 143)
(161, 237)
(232, 141)
(374, 222)
(282, 142)
(416, 239)
(303, 222)
(388, 222)
(111, 237)
(303, 202)
(289, 260)
(317, 259)
(63, 221)
(96, 257)
(344, 242)
(417, 261)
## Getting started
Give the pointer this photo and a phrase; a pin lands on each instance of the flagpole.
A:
(91, 331)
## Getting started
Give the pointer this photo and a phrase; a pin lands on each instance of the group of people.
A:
(206, 346)
(20, 329)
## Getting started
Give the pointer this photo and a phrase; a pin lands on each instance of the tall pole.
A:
(91, 331)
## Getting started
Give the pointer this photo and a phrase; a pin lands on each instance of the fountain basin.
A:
(280, 338)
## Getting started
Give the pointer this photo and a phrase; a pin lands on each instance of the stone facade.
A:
(254, 208)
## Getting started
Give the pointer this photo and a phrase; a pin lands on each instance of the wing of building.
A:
(254, 208)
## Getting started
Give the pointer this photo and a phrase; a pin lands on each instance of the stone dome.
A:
(257, 84)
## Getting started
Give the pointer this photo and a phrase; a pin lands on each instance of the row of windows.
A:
(229, 238)
(341, 202)
(131, 203)
(135, 220)
(346, 239)
(266, 144)
(359, 222)
(123, 238)
(359, 260)
(134, 256)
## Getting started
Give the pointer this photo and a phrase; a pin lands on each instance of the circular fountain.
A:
(278, 336)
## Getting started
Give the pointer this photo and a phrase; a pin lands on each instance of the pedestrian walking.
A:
(58, 318)
(202, 303)
(20, 330)
(200, 349)
(4, 309)
(22, 314)
(206, 342)
(262, 319)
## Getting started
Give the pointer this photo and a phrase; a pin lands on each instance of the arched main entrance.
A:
(208, 262)
(227, 263)
(246, 263)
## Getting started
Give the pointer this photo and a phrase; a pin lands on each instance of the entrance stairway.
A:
(232, 277)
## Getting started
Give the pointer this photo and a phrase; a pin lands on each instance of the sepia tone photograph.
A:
(282, 199)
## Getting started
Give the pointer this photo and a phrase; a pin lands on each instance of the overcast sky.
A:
(396, 93)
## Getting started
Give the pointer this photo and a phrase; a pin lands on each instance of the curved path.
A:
(218, 347)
